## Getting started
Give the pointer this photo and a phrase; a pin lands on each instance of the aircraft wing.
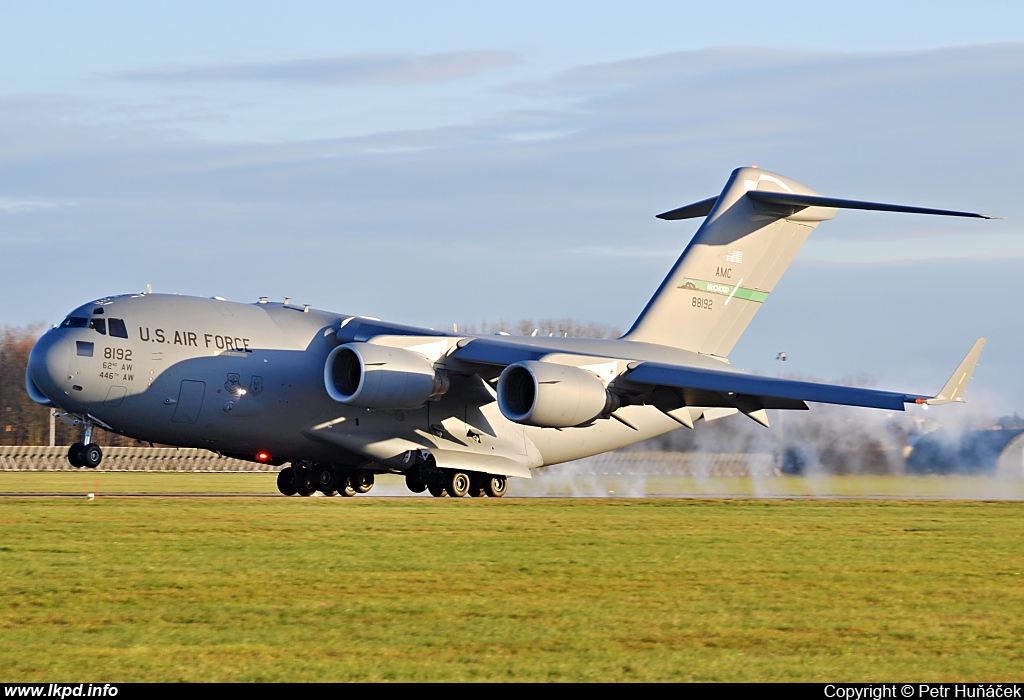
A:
(501, 353)
(767, 389)
(747, 391)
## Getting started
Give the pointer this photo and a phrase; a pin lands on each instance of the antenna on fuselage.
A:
(149, 289)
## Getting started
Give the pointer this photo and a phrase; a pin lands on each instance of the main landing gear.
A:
(306, 478)
(87, 453)
(451, 482)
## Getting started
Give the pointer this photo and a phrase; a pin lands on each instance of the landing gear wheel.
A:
(284, 481)
(435, 484)
(476, 485)
(457, 484)
(361, 481)
(75, 455)
(345, 487)
(325, 480)
(415, 482)
(91, 455)
(495, 485)
(302, 479)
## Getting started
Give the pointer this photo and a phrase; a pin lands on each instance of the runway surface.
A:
(700, 496)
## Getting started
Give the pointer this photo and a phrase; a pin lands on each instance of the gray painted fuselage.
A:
(244, 378)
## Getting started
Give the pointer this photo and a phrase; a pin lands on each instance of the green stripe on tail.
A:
(724, 290)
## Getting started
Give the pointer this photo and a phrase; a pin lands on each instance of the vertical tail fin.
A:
(730, 267)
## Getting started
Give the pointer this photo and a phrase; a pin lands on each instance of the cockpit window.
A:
(99, 325)
(117, 328)
(98, 310)
(75, 322)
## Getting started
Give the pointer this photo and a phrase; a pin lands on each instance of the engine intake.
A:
(379, 377)
(548, 395)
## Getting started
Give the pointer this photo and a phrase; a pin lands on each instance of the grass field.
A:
(121, 589)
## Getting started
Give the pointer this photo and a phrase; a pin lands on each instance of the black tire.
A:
(476, 485)
(91, 455)
(362, 481)
(302, 479)
(495, 485)
(75, 455)
(435, 485)
(284, 481)
(457, 484)
(415, 482)
(345, 487)
(325, 479)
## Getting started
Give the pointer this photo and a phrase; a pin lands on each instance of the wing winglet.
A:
(957, 384)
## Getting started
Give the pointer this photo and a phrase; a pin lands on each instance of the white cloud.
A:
(380, 69)
(16, 206)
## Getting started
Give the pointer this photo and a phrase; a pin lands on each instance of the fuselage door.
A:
(190, 401)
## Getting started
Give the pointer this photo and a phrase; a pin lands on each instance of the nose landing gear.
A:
(85, 454)
(75, 455)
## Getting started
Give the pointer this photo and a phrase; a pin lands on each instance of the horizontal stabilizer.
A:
(690, 211)
(795, 202)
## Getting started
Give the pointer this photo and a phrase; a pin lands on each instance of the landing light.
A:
(262, 456)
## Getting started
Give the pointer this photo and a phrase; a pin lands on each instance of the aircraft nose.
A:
(48, 365)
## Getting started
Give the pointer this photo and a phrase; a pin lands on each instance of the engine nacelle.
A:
(379, 377)
(548, 395)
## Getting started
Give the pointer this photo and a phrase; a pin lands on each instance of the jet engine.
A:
(548, 395)
(380, 377)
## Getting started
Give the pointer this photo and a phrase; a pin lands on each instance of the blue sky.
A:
(454, 162)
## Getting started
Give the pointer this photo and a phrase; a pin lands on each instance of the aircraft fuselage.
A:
(248, 379)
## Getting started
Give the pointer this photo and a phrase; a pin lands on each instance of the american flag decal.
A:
(735, 257)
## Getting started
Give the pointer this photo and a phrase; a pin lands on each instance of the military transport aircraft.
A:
(343, 397)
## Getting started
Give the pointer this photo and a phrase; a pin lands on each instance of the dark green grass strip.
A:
(529, 589)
